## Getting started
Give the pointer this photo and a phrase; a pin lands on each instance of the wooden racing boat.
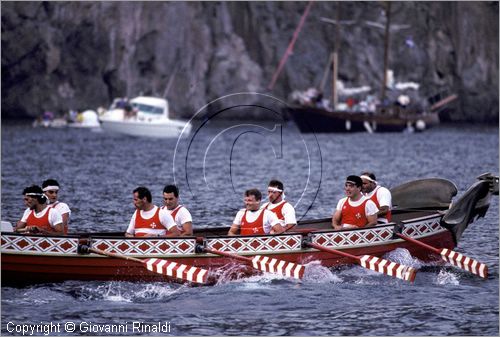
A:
(423, 211)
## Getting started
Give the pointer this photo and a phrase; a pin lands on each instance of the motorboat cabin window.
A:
(150, 109)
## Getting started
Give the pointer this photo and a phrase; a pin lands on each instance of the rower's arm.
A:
(336, 218)
(372, 220)
(188, 229)
(233, 230)
(277, 229)
(371, 211)
(289, 215)
(59, 228)
(19, 225)
(383, 210)
(65, 218)
(56, 221)
(173, 231)
(22, 222)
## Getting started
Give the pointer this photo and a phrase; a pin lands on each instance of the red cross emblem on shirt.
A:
(358, 215)
(153, 225)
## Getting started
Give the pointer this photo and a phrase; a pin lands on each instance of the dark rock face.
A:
(78, 55)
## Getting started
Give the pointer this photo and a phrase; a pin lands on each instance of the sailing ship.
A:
(393, 111)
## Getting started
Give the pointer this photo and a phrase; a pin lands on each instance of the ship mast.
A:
(386, 47)
(335, 59)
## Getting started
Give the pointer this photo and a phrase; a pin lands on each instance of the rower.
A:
(149, 219)
(254, 221)
(51, 189)
(179, 213)
(39, 217)
(279, 206)
(354, 210)
(381, 196)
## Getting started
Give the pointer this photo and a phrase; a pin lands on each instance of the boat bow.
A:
(473, 203)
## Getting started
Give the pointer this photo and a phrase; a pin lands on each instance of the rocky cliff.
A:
(77, 55)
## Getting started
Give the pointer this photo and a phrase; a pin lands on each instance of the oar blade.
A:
(271, 265)
(464, 262)
(177, 270)
(390, 268)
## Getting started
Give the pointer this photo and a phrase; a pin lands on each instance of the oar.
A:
(374, 263)
(173, 269)
(26, 230)
(453, 257)
(437, 209)
(265, 263)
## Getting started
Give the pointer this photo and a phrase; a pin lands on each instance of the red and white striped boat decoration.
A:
(285, 268)
(464, 262)
(388, 267)
(177, 270)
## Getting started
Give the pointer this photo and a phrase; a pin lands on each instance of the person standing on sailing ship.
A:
(355, 210)
(381, 196)
(276, 204)
(51, 189)
(149, 219)
(39, 217)
(254, 221)
(179, 213)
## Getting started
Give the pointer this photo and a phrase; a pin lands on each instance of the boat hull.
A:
(157, 129)
(35, 259)
(311, 119)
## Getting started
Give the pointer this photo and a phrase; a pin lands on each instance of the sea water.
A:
(213, 166)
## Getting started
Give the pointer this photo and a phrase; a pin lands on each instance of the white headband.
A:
(369, 179)
(274, 189)
(36, 194)
(50, 188)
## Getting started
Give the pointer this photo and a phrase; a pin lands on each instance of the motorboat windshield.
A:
(149, 109)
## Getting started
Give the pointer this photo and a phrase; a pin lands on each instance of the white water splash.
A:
(228, 273)
(316, 273)
(114, 294)
(116, 298)
(158, 291)
(446, 277)
(257, 281)
(39, 295)
(403, 256)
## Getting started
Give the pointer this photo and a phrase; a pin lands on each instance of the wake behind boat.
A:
(425, 222)
(147, 117)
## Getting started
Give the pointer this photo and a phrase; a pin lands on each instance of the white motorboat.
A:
(146, 117)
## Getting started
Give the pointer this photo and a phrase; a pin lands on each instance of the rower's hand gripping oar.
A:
(264, 263)
(172, 269)
(452, 257)
(374, 263)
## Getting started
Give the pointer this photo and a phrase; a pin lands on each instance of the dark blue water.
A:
(98, 172)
